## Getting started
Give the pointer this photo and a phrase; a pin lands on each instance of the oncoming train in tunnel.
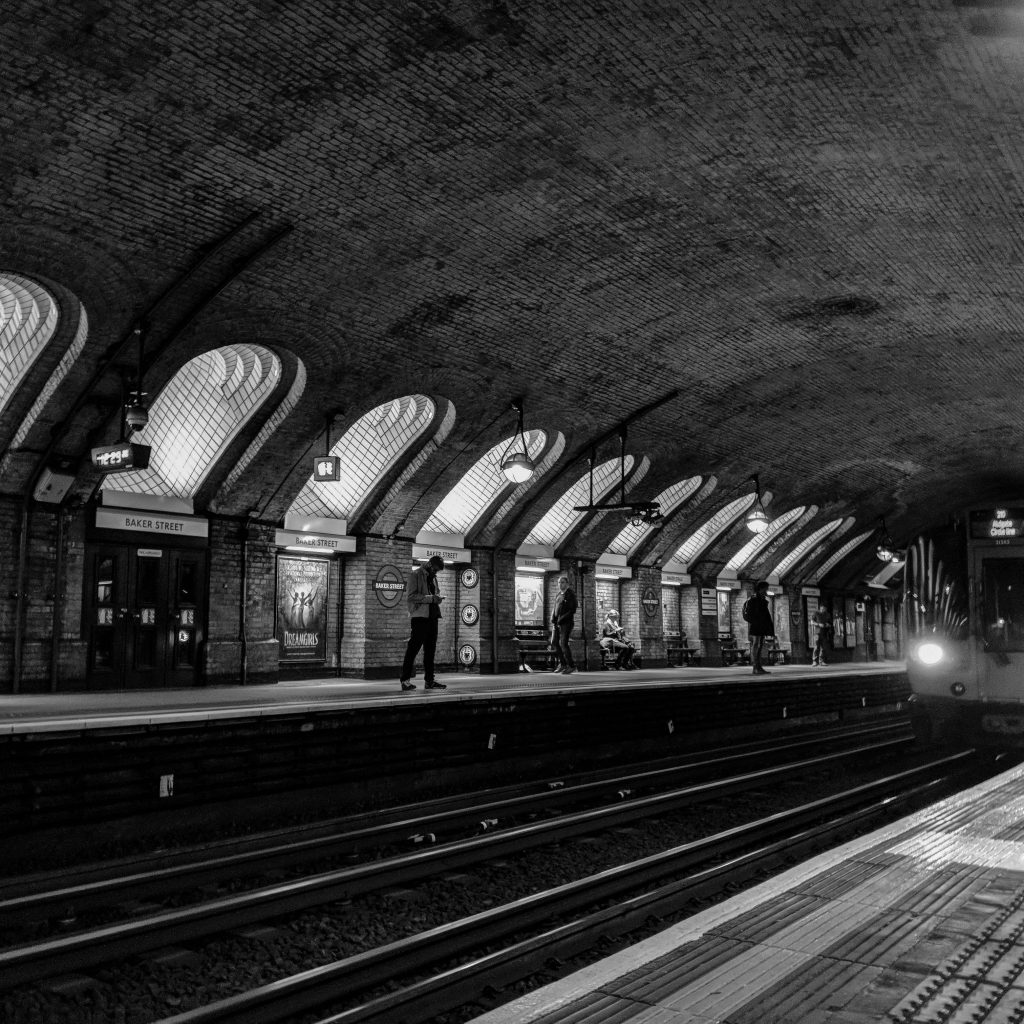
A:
(964, 623)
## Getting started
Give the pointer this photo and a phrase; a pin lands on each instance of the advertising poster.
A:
(529, 600)
(302, 608)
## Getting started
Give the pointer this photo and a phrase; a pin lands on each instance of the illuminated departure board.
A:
(998, 524)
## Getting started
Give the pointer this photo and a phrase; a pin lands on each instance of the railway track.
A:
(552, 816)
(569, 919)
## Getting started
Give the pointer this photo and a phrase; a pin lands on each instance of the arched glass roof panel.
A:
(28, 320)
(467, 501)
(630, 537)
(834, 559)
(368, 449)
(805, 546)
(712, 529)
(761, 540)
(198, 414)
(61, 371)
(559, 521)
(277, 417)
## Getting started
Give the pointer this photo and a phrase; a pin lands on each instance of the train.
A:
(963, 623)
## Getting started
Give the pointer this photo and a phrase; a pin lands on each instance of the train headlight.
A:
(930, 654)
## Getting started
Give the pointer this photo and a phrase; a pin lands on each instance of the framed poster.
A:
(302, 608)
(529, 599)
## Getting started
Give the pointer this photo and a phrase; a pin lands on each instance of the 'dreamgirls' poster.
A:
(302, 608)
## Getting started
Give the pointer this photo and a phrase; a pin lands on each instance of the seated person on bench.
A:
(614, 640)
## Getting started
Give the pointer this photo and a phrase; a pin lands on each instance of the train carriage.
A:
(964, 623)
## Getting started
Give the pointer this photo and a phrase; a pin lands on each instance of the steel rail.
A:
(95, 946)
(124, 881)
(317, 987)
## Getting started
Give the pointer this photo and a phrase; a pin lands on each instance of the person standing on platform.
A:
(821, 629)
(424, 612)
(562, 621)
(759, 616)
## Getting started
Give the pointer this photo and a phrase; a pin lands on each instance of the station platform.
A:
(30, 713)
(920, 922)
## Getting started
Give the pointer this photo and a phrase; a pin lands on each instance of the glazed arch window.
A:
(368, 449)
(28, 322)
(805, 547)
(198, 414)
(630, 536)
(761, 540)
(470, 498)
(834, 559)
(702, 538)
(560, 520)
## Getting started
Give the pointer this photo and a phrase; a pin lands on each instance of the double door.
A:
(146, 609)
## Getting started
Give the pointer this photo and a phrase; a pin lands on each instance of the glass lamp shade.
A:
(517, 467)
(757, 521)
(136, 417)
(885, 553)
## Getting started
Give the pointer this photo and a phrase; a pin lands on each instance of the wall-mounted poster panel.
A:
(302, 608)
(529, 599)
(708, 601)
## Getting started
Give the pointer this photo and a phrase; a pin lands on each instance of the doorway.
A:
(145, 614)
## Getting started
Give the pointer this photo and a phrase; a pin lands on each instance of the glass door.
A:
(145, 609)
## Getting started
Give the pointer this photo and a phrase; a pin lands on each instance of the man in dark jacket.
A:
(562, 619)
(759, 616)
(424, 603)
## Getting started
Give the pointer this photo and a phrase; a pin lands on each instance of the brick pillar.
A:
(641, 613)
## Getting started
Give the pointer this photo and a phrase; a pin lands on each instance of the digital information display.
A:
(998, 524)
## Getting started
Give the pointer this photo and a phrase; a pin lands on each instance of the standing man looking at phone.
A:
(424, 612)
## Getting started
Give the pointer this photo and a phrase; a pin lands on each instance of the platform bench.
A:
(733, 654)
(533, 645)
(777, 655)
(679, 652)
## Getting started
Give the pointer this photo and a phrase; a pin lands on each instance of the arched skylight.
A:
(198, 414)
(834, 559)
(761, 540)
(807, 545)
(559, 521)
(483, 482)
(28, 320)
(62, 370)
(714, 528)
(630, 537)
(368, 449)
(277, 417)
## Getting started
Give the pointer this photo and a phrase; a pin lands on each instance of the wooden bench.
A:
(732, 653)
(533, 644)
(777, 655)
(678, 651)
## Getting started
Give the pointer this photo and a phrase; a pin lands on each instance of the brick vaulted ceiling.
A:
(807, 217)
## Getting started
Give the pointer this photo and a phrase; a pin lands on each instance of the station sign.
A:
(609, 571)
(295, 539)
(531, 564)
(998, 524)
(115, 458)
(142, 521)
(423, 552)
(675, 579)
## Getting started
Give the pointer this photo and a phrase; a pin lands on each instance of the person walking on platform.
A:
(424, 612)
(759, 616)
(821, 629)
(562, 620)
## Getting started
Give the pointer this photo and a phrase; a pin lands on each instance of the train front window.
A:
(1003, 589)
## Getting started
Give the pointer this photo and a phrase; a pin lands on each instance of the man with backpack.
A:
(759, 617)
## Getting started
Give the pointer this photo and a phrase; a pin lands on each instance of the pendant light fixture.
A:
(516, 463)
(886, 550)
(757, 518)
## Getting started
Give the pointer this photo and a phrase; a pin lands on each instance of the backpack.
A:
(746, 610)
